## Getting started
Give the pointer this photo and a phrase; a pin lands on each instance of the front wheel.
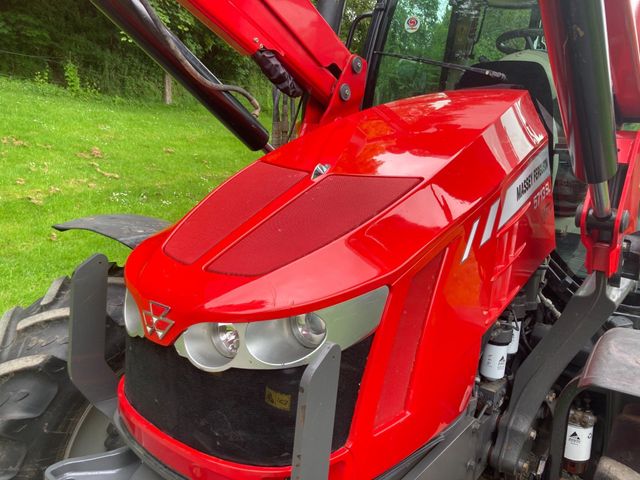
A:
(43, 417)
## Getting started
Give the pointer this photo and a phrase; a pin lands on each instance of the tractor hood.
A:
(345, 209)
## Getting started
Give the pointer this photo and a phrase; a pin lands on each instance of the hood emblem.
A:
(156, 321)
(319, 170)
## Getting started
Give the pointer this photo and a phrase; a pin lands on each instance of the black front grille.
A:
(244, 416)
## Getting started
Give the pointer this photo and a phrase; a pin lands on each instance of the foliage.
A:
(352, 10)
(71, 77)
(400, 78)
(39, 35)
(495, 23)
(63, 157)
(41, 77)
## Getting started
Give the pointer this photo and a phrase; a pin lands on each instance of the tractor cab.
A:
(426, 47)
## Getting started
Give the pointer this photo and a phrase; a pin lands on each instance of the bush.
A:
(71, 77)
(41, 77)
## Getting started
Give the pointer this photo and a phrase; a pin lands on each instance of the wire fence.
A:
(87, 64)
(151, 88)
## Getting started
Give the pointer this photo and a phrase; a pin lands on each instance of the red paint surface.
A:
(605, 257)
(333, 207)
(623, 31)
(303, 41)
(458, 146)
(228, 207)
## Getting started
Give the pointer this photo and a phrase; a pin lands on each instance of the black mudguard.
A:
(130, 230)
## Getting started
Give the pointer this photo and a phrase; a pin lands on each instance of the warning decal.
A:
(281, 401)
(412, 24)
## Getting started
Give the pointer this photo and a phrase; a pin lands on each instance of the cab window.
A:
(462, 32)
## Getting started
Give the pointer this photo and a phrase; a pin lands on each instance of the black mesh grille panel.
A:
(244, 416)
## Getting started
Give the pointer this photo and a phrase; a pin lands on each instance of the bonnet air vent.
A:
(328, 210)
(228, 207)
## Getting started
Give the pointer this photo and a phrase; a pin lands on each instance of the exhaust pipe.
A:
(131, 17)
(576, 37)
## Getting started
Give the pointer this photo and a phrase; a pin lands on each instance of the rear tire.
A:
(41, 412)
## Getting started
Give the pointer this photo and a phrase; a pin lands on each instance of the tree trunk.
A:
(168, 89)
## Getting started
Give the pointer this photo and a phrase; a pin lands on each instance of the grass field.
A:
(63, 157)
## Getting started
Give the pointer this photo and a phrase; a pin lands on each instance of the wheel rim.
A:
(89, 435)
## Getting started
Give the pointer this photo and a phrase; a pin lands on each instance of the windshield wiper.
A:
(454, 66)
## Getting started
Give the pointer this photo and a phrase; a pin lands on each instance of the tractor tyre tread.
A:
(39, 405)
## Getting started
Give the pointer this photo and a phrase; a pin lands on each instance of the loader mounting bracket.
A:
(586, 312)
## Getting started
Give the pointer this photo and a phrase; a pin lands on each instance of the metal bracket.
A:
(120, 464)
(450, 459)
(586, 312)
(315, 416)
(88, 368)
(130, 230)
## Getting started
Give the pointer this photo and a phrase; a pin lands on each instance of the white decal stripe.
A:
(491, 220)
(523, 187)
(467, 249)
(522, 146)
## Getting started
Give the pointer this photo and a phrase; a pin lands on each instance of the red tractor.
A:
(435, 280)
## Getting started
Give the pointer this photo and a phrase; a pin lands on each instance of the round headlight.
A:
(309, 329)
(226, 339)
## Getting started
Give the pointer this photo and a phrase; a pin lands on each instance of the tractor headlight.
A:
(308, 329)
(226, 339)
(285, 342)
(210, 346)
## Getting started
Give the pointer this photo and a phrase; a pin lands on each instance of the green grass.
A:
(64, 157)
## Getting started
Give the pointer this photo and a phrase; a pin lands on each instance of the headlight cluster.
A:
(281, 343)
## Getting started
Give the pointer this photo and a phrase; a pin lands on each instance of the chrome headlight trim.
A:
(132, 318)
(272, 344)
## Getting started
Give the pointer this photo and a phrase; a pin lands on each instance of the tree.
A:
(40, 37)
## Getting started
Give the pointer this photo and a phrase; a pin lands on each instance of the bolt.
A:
(345, 92)
(533, 434)
(356, 65)
(471, 465)
(523, 466)
(255, 40)
(551, 396)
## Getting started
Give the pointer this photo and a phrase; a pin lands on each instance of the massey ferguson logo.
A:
(156, 321)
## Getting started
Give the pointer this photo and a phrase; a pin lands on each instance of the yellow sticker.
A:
(281, 401)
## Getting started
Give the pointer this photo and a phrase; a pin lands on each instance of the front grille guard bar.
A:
(93, 377)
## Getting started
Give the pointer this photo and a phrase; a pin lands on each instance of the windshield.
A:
(464, 32)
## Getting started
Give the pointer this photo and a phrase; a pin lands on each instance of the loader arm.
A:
(293, 29)
(301, 39)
